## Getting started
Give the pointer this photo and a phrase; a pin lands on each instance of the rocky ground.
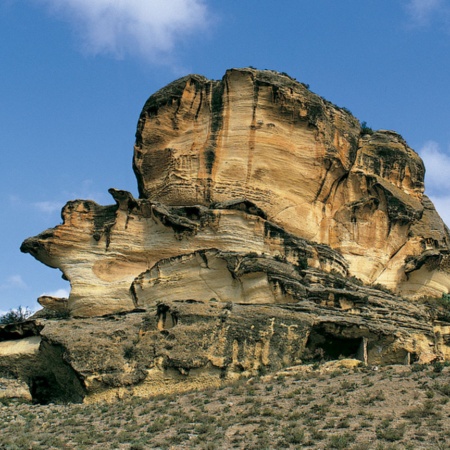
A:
(328, 407)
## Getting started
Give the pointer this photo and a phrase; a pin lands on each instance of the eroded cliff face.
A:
(178, 345)
(102, 250)
(265, 216)
(262, 136)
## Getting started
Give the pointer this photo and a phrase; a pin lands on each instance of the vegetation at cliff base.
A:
(368, 408)
(15, 315)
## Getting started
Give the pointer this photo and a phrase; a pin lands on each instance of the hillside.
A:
(391, 407)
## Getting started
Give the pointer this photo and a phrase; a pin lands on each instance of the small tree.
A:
(365, 129)
(15, 315)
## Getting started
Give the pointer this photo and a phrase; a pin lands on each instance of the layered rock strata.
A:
(236, 157)
(263, 136)
(102, 249)
(180, 345)
(265, 215)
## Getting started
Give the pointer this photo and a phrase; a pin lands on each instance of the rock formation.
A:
(181, 345)
(266, 138)
(231, 159)
(267, 221)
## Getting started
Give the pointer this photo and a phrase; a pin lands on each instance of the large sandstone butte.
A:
(221, 163)
(266, 138)
(266, 223)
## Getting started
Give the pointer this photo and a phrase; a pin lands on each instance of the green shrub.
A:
(438, 366)
(365, 129)
(391, 433)
(341, 441)
(418, 367)
(294, 435)
(346, 110)
(15, 315)
(444, 389)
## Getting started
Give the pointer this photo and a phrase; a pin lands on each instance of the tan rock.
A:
(20, 347)
(259, 204)
(262, 136)
(256, 145)
(101, 250)
(14, 390)
(184, 345)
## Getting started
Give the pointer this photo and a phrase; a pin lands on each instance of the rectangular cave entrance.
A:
(325, 344)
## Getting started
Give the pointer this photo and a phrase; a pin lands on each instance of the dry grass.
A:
(396, 407)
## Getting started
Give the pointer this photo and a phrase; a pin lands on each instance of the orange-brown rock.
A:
(101, 250)
(267, 223)
(262, 136)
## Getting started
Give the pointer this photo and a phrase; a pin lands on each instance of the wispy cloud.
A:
(437, 164)
(148, 28)
(437, 181)
(86, 191)
(61, 293)
(421, 12)
(13, 282)
(48, 207)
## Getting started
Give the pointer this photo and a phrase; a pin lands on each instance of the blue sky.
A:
(75, 74)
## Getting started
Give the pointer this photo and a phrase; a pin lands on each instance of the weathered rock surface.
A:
(262, 136)
(14, 390)
(187, 344)
(236, 157)
(101, 250)
(264, 216)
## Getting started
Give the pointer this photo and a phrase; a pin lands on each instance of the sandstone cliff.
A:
(264, 137)
(265, 215)
(254, 150)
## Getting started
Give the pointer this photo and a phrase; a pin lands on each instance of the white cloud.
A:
(421, 12)
(437, 165)
(63, 293)
(437, 179)
(87, 191)
(13, 282)
(48, 207)
(149, 28)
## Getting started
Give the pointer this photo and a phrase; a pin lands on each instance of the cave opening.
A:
(167, 318)
(45, 389)
(323, 345)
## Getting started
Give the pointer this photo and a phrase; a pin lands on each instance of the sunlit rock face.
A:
(266, 218)
(254, 163)
(103, 249)
(263, 136)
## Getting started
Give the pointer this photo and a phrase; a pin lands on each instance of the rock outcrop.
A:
(228, 157)
(102, 250)
(178, 345)
(267, 222)
(264, 137)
